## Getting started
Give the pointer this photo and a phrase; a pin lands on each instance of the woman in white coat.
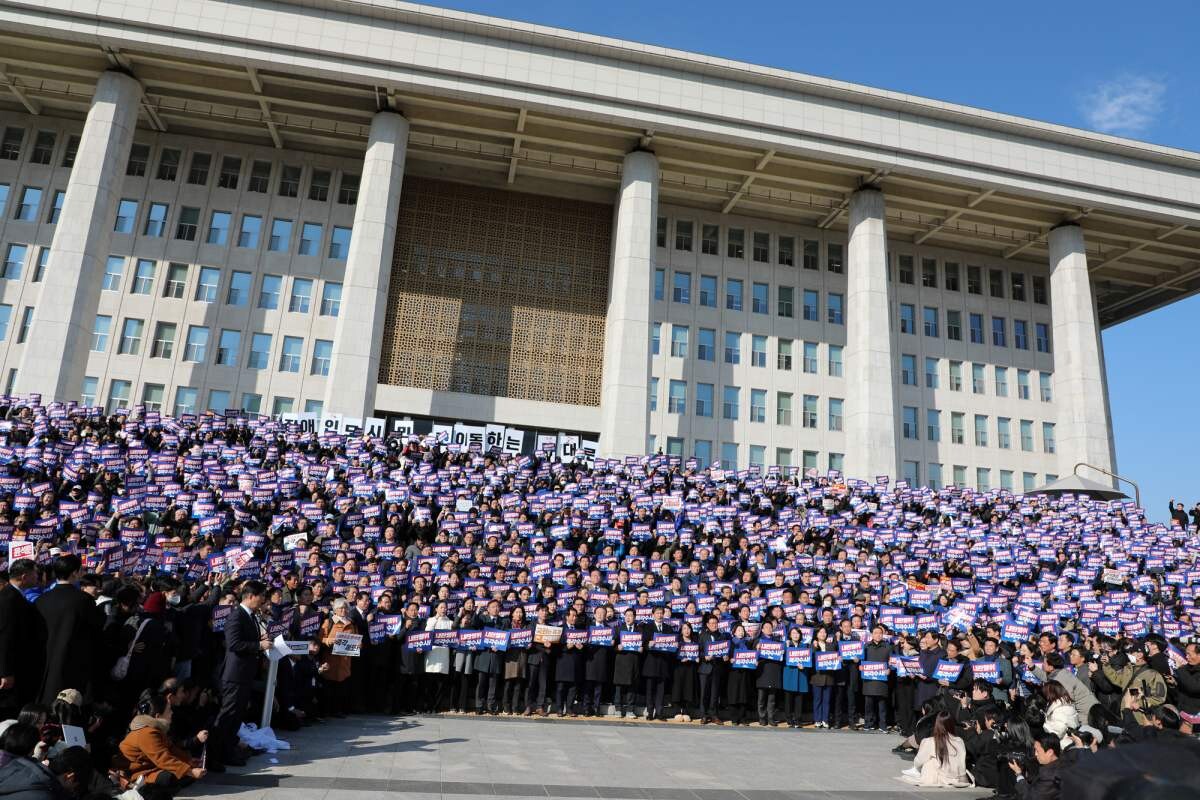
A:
(941, 760)
(1061, 716)
(437, 660)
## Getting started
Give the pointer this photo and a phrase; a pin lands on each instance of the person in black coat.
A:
(769, 680)
(569, 666)
(626, 665)
(684, 676)
(22, 641)
(512, 696)
(409, 664)
(74, 633)
(489, 664)
(711, 670)
(656, 667)
(245, 642)
(538, 663)
(597, 667)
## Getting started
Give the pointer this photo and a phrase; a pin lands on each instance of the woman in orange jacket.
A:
(147, 751)
(335, 670)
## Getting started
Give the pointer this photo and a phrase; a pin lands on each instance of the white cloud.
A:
(1127, 105)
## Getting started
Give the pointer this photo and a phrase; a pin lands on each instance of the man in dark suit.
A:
(245, 642)
(22, 641)
(74, 633)
(656, 667)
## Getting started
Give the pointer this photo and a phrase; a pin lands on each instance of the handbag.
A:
(121, 668)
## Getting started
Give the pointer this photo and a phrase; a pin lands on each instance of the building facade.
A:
(375, 209)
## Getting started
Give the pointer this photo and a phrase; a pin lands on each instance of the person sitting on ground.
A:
(148, 753)
(941, 759)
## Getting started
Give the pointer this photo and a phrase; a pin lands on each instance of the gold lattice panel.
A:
(497, 293)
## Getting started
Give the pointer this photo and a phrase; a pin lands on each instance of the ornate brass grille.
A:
(497, 293)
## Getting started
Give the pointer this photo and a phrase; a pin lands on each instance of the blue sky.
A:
(1102, 65)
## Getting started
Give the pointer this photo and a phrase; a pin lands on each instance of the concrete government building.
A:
(370, 208)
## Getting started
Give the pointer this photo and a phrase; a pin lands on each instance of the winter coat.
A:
(147, 751)
(339, 666)
(934, 773)
(26, 779)
(879, 653)
(437, 660)
(1060, 719)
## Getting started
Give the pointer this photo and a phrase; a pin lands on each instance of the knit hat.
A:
(156, 603)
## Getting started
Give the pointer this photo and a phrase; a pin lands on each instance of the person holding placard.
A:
(464, 660)
(627, 664)
(738, 683)
(489, 663)
(335, 669)
(656, 667)
(568, 664)
(597, 659)
(512, 695)
(795, 676)
(437, 660)
(875, 692)
(684, 674)
(714, 656)
(539, 663)
(769, 679)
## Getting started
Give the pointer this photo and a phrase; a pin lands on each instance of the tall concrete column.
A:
(1080, 390)
(870, 361)
(56, 351)
(624, 386)
(358, 336)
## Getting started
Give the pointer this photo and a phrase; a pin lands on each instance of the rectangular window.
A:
(168, 165)
(331, 299)
(1020, 334)
(660, 284)
(1048, 437)
(43, 260)
(239, 289)
(758, 351)
(152, 396)
(836, 411)
(733, 347)
(1042, 334)
(1039, 290)
(809, 411)
(1001, 375)
(681, 287)
(1028, 481)
(231, 170)
(131, 337)
(735, 243)
(289, 181)
(282, 405)
(706, 345)
(954, 325)
(3, 197)
(683, 235)
(912, 472)
(729, 456)
(703, 452)
(348, 190)
(931, 373)
(674, 446)
(1017, 285)
(978, 383)
(318, 185)
(957, 433)
(1026, 428)
(218, 400)
(956, 376)
(786, 301)
(981, 436)
(929, 273)
(729, 404)
(322, 356)
(208, 286)
(301, 297)
(14, 261)
(704, 399)
(27, 207)
(976, 321)
(660, 232)
(931, 321)
(118, 395)
(156, 220)
(762, 247)
(908, 322)
(783, 457)
(960, 476)
(195, 346)
(835, 361)
(126, 216)
(26, 322)
(710, 240)
(653, 394)
(905, 269)
(310, 239)
(114, 267)
(185, 400)
(260, 351)
(983, 479)
(950, 269)
(935, 476)
(760, 298)
(783, 408)
(999, 334)
(163, 345)
(933, 425)
(1003, 433)
(679, 341)
(733, 294)
(268, 295)
(1044, 386)
(809, 364)
(218, 228)
(787, 251)
(677, 397)
(758, 405)
(783, 355)
(56, 207)
(908, 370)
(10, 145)
(281, 235)
(808, 460)
(1006, 479)
(228, 345)
(185, 229)
(655, 337)
(996, 283)
(812, 254)
(974, 280)
(72, 149)
(708, 291)
(339, 243)
(290, 354)
(1023, 384)
(101, 326)
(812, 306)
(198, 173)
(835, 258)
(260, 177)
(143, 277)
(837, 462)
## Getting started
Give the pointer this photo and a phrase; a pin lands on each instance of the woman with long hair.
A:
(437, 660)
(941, 760)
(795, 681)
(822, 681)
(1061, 717)
(512, 696)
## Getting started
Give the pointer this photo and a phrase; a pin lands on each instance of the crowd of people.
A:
(1038, 646)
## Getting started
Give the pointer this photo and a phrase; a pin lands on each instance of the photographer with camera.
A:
(1137, 674)
(1045, 784)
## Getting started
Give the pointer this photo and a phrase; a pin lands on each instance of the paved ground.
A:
(461, 757)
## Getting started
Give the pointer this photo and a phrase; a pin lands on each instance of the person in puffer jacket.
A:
(68, 775)
(147, 752)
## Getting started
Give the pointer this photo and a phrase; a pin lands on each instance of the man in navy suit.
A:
(245, 642)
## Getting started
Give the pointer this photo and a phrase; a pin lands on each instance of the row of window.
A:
(705, 399)
(187, 399)
(975, 331)
(911, 472)
(910, 428)
(208, 286)
(945, 275)
(197, 343)
(933, 378)
(200, 167)
(706, 349)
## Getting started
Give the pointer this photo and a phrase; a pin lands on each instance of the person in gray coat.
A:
(1081, 697)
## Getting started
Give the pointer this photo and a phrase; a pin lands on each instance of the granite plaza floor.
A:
(467, 757)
